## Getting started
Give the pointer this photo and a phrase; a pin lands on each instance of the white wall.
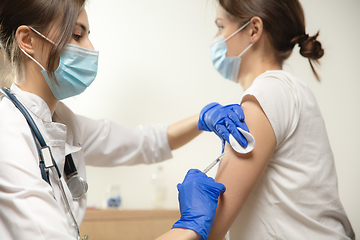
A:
(155, 67)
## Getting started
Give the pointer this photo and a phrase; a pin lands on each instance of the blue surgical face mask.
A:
(76, 71)
(228, 67)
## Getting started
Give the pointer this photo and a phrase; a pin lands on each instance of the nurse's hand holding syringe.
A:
(198, 198)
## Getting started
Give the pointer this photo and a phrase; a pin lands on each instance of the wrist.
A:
(199, 225)
(186, 234)
(180, 234)
(201, 123)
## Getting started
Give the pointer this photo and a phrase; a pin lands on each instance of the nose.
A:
(89, 45)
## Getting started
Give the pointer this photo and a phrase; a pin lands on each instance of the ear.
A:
(256, 28)
(25, 39)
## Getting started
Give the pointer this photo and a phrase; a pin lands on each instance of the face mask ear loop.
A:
(245, 50)
(32, 58)
(41, 34)
(29, 54)
(244, 26)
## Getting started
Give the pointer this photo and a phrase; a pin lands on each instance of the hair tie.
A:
(306, 37)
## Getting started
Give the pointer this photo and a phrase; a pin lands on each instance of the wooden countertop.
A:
(106, 215)
(127, 224)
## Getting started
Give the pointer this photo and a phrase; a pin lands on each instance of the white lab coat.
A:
(28, 209)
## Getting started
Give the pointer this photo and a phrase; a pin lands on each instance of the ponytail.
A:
(311, 49)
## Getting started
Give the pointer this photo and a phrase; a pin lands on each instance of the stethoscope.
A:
(77, 185)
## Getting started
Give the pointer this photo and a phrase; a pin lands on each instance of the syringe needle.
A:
(215, 162)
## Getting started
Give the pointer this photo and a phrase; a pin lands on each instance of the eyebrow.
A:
(218, 19)
(82, 27)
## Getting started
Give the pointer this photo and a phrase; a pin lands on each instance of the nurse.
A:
(48, 45)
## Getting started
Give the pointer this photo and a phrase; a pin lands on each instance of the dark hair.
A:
(283, 21)
(42, 15)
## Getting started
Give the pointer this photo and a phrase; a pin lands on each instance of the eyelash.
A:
(76, 37)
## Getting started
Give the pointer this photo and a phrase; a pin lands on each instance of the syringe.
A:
(215, 162)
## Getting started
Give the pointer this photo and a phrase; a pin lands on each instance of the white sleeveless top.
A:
(297, 196)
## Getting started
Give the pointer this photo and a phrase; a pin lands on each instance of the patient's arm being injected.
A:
(241, 172)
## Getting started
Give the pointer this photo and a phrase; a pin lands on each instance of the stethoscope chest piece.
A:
(77, 186)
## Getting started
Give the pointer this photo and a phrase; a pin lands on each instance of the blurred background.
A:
(155, 67)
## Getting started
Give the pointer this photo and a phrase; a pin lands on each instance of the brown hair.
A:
(283, 21)
(42, 15)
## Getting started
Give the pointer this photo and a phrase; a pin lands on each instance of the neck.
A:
(31, 80)
(252, 67)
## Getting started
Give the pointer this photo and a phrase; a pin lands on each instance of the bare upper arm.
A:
(241, 172)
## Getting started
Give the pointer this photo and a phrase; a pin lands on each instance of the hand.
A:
(223, 121)
(198, 198)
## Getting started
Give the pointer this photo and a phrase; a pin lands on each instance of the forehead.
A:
(83, 19)
(221, 13)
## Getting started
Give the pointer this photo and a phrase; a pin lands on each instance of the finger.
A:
(220, 187)
(239, 111)
(223, 133)
(243, 126)
(216, 187)
(239, 137)
(234, 118)
(191, 174)
(193, 171)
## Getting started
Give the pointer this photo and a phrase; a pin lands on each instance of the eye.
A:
(76, 37)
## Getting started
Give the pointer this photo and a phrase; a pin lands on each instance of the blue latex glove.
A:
(223, 120)
(198, 198)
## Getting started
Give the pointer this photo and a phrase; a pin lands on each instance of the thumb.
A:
(222, 188)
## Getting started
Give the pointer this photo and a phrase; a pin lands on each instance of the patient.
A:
(286, 188)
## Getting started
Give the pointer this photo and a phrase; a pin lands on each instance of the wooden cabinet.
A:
(127, 224)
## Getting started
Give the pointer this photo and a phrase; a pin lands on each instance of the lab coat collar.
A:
(33, 103)
(38, 107)
(70, 138)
